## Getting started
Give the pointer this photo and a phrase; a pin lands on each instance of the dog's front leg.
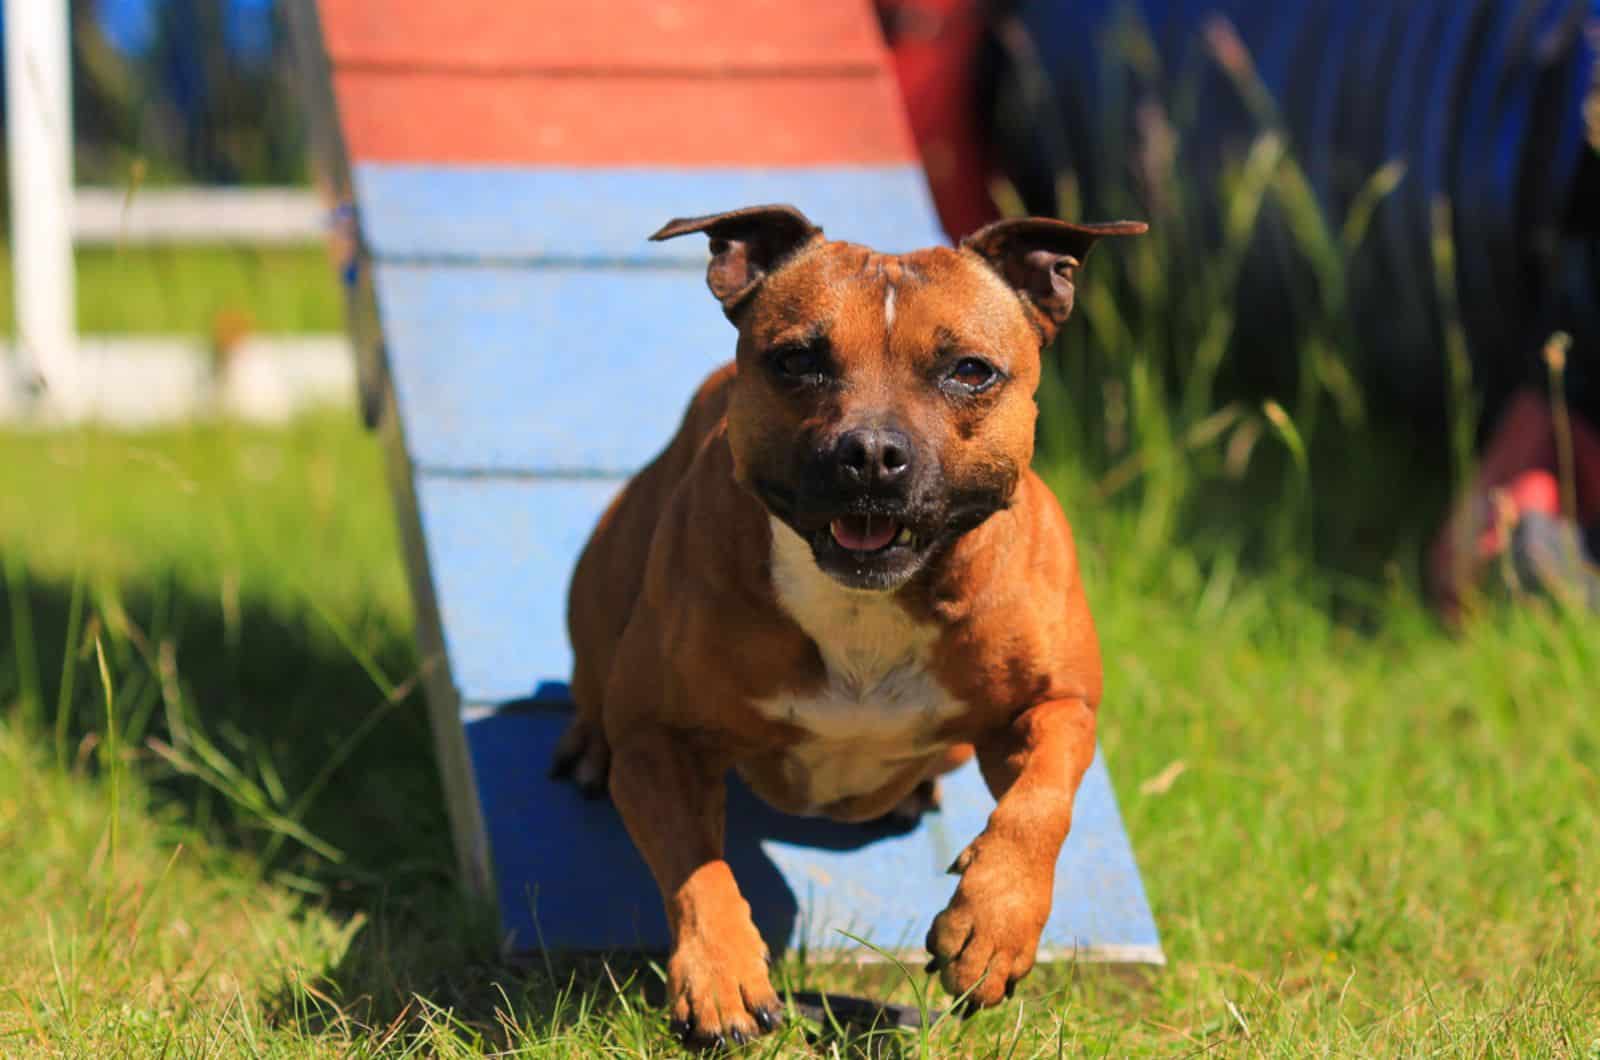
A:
(673, 801)
(987, 937)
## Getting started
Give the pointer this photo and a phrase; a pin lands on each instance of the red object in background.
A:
(1536, 491)
(1525, 440)
(935, 48)
(1520, 459)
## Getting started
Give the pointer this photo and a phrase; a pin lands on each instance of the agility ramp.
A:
(523, 349)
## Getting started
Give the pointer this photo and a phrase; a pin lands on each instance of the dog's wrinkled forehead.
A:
(848, 291)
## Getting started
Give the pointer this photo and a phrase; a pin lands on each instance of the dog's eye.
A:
(973, 373)
(800, 362)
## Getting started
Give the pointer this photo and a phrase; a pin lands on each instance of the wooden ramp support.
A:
(523, 349)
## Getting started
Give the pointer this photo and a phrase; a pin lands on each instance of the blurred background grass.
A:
(183, 290)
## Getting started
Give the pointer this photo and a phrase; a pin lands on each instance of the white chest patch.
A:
(881, 706)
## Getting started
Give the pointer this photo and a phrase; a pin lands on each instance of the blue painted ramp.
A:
(524, 349)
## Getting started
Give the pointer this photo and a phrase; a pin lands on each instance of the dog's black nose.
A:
(870, 457)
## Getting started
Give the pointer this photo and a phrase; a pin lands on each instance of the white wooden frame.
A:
(39, 147)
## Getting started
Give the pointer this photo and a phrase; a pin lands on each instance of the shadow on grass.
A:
(258, 726)
(274, 691)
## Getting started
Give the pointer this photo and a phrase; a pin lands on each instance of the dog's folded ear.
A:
(1038, 257)
(746, 245)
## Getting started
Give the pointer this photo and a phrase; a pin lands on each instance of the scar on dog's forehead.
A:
(821, 284)
(959, 301)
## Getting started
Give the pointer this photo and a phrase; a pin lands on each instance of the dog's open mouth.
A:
(869, 533)
(868, 551)
(876, 550)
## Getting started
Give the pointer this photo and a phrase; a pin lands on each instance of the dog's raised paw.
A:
(988, 936)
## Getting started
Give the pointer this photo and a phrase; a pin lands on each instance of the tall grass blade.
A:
(111, 762)
(1460, 403)
(1378, 187)
(1555, 360)
(69, 671)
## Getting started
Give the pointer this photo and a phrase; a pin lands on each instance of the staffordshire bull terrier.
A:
(840, 578)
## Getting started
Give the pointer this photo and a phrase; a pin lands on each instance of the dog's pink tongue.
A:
(862, 533)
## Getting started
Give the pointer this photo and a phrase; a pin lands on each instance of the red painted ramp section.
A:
(618, 82)
(622, 119)
(502, 36)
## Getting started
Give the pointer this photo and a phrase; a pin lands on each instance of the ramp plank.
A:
(571, 215)
(501, 552)
(496, 35)
(555, 120)
(551, 371)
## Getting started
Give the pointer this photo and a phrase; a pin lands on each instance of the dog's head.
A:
(884, 404)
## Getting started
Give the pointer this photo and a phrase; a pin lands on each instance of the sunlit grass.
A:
(195, 291)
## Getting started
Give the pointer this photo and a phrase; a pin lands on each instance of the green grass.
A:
(1380, 839)
(192, 290)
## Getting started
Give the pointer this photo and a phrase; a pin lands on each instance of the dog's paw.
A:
(583, 756)
(987, 937)
(720, 992)
(924, 798)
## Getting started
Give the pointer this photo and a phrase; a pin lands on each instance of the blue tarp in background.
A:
(131, 25)
(195, 88)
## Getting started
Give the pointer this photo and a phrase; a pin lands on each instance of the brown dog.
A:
(839, 578)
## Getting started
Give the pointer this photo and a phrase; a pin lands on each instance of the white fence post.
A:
(39, 146)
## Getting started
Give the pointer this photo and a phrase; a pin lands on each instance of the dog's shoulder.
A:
(610, 574)
(1018, 628)
(709, 405)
